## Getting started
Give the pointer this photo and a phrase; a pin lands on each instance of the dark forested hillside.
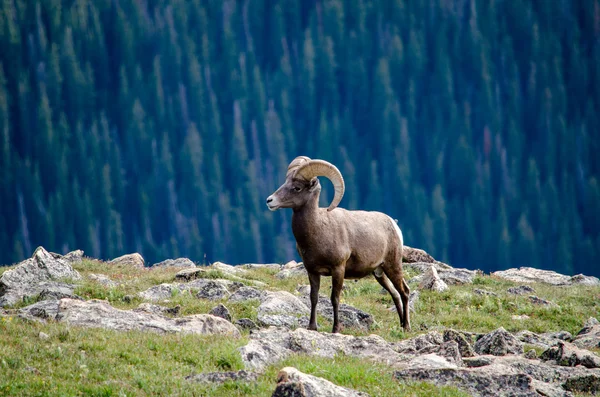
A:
(161, 126)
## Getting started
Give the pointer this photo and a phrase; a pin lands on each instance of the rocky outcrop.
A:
(282, 309)
(221, 377)
(291, 382)
(432, 281)
(246, 293)
(498, 343)
(179, 262)
(228, 269)
(134, 260)
(221, 311)
(43, 273)
(211, 289)
(589, 336)
(100, 314)
(569, 355)
(521, 290)
(532, 275)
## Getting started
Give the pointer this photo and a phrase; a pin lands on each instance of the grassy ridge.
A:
(78, 361)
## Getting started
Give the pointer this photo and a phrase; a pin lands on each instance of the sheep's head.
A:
(301, 184)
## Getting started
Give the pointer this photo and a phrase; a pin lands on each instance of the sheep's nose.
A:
(269, 199)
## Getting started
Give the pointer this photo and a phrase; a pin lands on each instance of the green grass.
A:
(79, 361)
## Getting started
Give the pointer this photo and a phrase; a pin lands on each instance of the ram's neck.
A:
(305, 222)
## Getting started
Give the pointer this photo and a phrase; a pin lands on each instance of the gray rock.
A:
(179, 262)
(104, 280)
(349, 316)
(569, 355)
(413, 299)
(228, 269)
(580, 279)
(222, 377)
(43, 336)
(71, 257)
(191, 273)
(56, 291)
(414, 255)
(589, 383)
(427, 342)
(213, 290)
(270, 266)
(281, 309)
(246, 323)
(542, 302)
(498, 343)
(588, 337)
(292, 269)
(484, 292)
(465, 348)
(520, 290)
(432, 281)
(221, 311)
(530, 354)
(477, 361)
(40, 311)
(99, 314)
(247, 293)
(269, 346)
(545, 340)
(532, 275)
(291, 382)
(31, 277)
(157, 309)
(161, 292)
(134, 260)
(590, 322)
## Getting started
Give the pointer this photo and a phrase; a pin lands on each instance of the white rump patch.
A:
(397, 230)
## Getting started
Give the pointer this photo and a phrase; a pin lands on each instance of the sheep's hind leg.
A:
(387, 285)
(395, 276)
(315, 283)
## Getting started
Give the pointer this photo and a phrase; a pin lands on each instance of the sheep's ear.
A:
(314, 182)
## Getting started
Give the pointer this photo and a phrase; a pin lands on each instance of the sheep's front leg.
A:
(315, 283)
(337, 282)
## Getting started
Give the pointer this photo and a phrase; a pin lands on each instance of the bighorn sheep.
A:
(340, 243)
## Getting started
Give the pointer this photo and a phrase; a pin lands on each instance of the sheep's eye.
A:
(297, 189)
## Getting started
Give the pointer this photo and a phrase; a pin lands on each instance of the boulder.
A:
(179, 262)
(221, 311)
(413, 255)
(291, 382)
(544, 340)
(100, 314)
(40, 311)
(246, 293)
(270, 266)
(292, 269)
(222, 377)
(212, 290)
(281, 309)
(465, 348)
(246, 323)
(228, 269)
(432, 281)
(191, 273)
(207, 289)
(146, 307)
(521, 290)
(134, 260)
(269, 346)
(589, 336)
(532, 275)
(498, 343)
(42, 272)
(102, 279)
(541, 302)
(569, 355)
(71, 257)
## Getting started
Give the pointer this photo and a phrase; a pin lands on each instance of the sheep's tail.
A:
(399, 232)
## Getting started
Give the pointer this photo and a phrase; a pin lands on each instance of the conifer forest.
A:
(161, 126)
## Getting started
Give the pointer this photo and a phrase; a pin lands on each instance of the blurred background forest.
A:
(160, 126)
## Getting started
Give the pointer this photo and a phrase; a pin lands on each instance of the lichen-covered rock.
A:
(291, 382)
(157, 309)
(190, 273)
(71, 257)
(413, 255)
(221, 311)
(521, 290)
(134, 260)
(542, 302)
(465, 348)
(569, 355)
(292, 269)
(207, 289)
(40, 311)
(498, 343)
(213, 290)
(484, 292)
(281, 309)
(179, 262)
(532, 275)
(589, 336)
(31, 277)
(246, 293)
(270, 266)
(587, 383)
(103, 280)
(228, 269)
(246, 323)
(545, 340)
(432, 281)
(100, 314)
(221, 377)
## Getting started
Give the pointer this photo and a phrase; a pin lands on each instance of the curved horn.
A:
(297, 162)
(315, 168)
